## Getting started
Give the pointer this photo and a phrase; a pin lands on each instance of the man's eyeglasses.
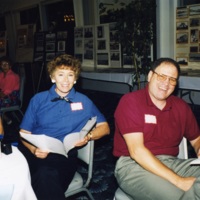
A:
(162, 77)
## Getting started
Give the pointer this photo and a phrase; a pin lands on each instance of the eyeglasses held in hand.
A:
(162, 77)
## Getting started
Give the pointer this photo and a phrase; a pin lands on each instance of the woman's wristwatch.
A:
(89, 135)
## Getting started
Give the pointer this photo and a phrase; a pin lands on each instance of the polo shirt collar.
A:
(9, 72)
(54, 95)
(168, 105)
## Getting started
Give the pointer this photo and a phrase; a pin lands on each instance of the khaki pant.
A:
(143, 185)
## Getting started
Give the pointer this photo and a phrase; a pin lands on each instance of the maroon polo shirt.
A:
(163, 129)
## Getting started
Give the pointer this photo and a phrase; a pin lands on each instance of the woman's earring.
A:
(53, 81)
(74, 82)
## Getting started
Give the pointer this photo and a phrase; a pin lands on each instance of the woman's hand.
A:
(82, 142)
(40, 153)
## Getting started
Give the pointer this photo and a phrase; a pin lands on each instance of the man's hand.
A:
(185, 183)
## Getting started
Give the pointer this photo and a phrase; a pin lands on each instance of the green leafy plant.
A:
(135, 32)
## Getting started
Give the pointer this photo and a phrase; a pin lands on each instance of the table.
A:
(115, 82)
(15, 177)
(189, 83)
(110, 82)
(126, 78)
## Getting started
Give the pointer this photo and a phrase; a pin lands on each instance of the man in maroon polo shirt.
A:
(149, 125)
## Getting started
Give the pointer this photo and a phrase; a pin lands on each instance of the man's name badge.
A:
(150, 119)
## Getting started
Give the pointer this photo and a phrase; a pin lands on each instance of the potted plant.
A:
(134, 24)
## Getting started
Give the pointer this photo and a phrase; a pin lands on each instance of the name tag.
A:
(76, 106)
(150, 119)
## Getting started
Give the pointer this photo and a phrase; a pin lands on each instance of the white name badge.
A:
(76, 106)
(150, 119)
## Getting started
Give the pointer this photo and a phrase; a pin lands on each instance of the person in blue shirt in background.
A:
(58, 112)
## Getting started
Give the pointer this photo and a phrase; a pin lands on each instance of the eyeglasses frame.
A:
(171, 79)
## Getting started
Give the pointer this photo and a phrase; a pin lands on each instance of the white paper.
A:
(45, 143)
(54, 145)
(195, 162)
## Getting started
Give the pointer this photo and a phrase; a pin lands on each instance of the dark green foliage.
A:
(134, 25)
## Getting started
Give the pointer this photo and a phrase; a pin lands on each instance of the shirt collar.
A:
(54, 95)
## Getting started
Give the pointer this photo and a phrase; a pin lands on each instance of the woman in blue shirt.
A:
(58, 112)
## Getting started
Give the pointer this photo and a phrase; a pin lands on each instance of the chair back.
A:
(21, 90)
(86, 154)
(183, 150)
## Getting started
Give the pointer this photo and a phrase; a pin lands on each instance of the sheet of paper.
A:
(71, 139)
(45, 143)
(195, 162)
(54, 145)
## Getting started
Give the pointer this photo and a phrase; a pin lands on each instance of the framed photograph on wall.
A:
(181, 25)
(194, 22)
(61, 46)
(50, 56)
(106, 7)
(194, 35)
(194, 10)
(194, 57)
(182, 38)
(182, 60)
(181, 12)
(194, 49)
(50, 37)
(61, 35)
(50, 46)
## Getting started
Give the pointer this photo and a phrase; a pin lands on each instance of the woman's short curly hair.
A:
(64, 61)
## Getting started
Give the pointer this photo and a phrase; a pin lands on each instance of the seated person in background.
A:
(56, 113)
(149, 125)
(9, 86)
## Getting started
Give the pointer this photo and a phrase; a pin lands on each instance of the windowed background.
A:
(62, 13)
(2, 23)
(30, 16)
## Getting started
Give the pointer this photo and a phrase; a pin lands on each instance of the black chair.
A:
(16, 108)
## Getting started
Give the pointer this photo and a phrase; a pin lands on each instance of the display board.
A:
(3, 43)
(49, 44)
(96, 46)
(188, 36)
(25, 43)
